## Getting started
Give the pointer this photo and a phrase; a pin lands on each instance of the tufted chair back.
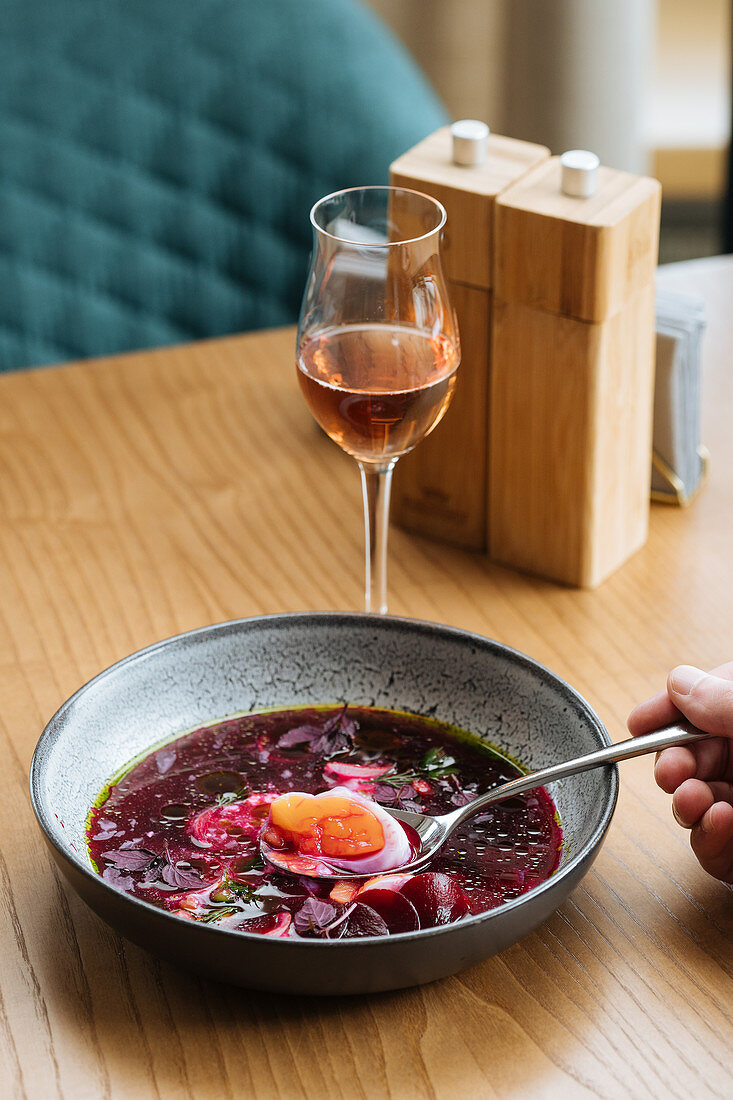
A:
(158, 159)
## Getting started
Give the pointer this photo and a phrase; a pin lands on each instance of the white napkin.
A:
(679, 459)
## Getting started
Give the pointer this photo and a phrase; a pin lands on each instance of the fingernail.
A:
(683, 678)
(678, 819)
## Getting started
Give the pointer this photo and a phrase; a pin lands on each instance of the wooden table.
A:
(152, 493)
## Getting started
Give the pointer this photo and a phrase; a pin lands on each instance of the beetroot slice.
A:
(397, 911)
(437, 898)
(365, 921)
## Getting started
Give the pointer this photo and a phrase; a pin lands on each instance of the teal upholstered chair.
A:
(158, 159)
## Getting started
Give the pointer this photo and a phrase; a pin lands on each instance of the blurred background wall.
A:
(644, 83)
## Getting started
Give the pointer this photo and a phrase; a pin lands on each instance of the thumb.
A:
(706, 700)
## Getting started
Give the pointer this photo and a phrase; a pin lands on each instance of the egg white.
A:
(396, 850)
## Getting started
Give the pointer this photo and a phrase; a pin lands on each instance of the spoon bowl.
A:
(432, 832)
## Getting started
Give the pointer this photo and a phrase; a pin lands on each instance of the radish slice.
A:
(357, 777)
(344, 891)
(386, 882)
(356, 771)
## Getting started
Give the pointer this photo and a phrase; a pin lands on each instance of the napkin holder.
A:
(679, 460)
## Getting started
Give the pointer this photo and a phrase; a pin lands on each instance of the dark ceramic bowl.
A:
(291, 660)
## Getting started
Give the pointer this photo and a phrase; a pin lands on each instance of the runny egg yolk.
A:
(329, 825)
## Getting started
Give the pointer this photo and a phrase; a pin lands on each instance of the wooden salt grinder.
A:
(440, 489)
(572, 375)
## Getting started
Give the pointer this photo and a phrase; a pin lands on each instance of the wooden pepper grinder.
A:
(572, 369)
(441, 488)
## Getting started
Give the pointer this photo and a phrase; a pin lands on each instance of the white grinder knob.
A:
(470, 142)
(579, 173)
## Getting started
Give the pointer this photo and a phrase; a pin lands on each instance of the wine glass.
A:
(377, 346)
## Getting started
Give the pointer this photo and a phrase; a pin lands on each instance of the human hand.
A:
(700, 776)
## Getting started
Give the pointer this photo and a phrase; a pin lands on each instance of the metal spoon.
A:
(434, 831)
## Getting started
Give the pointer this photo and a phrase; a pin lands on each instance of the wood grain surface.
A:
(468, 195)
(579, 258)
(572, 374)
(569, 439)
(440, 489)
(153, 493)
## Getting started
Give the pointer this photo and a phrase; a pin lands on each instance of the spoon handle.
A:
(681, 733)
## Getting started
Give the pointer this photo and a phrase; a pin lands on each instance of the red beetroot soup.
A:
(181, 828)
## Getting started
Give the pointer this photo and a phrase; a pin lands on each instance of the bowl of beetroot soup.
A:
(153, 783)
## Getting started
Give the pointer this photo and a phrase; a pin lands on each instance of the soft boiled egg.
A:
(342, 827)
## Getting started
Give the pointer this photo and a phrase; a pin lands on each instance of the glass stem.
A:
(376, 483)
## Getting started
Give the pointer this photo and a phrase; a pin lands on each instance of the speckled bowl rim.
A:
(54, 729)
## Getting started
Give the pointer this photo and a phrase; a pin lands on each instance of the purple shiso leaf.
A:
(335, 720)
(343, 723)
(329, 743)
(348, 726)
(461, 798)
(299, 736)
(405, 799)
(333, 736)
(152, 872)
(180, 878)
(402, 799)
(314, 915)
(117, 878)
(131, 859)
